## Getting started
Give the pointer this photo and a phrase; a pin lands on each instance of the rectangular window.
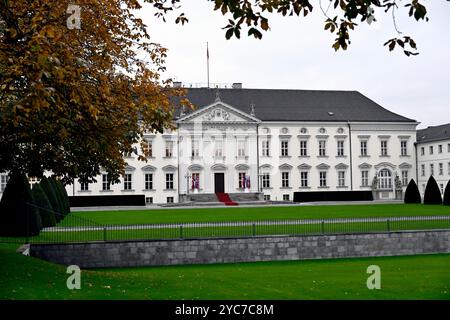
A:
(148, 181)
(364, 148)
(340, 148)
(322, 178)
(432, 169)
(448, 169)
(441, 169)
(304, 179)
(364, 178)
(148, 148)
(106, 184)
(169, 149)
(84, 186)
(148, 200)
(405, 178)
(3, 182)
(448, 147)
(286, 197)
(284, 148)
(169, 181)
(440, 148)
(195, 181)
(322, 148)
(241, 178)
(285, 179)
(423, 170)
(267, 197)
(241, 148)
(404, 148)
(441, 186)
(431, 150)
(169, 199)
(266, 180)
(341, 178)
(422, 151)
(195, 152)
(303, 148)
(265, 148)
(218, 152)
(127, 181)
(384, 148)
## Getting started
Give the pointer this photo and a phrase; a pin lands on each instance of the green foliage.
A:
(45, 208)
(432, 192)
(412, 194)
(305, 279)
(50, 191)
(61, 195)
(447, 194)
(18, 218)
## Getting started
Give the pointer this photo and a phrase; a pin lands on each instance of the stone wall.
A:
(226, 250)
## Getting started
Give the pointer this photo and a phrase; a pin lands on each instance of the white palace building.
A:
(271, 143)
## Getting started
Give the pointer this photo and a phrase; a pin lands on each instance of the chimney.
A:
(237, 85)
(177, 84)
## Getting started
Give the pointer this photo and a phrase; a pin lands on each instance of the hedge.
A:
(45, 208)
(432, 192)
(18, 217)
(412, 193)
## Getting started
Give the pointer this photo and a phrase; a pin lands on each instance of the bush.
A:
(50, 192)
(61, 195)
(412, 194)
(65, 196)
(45, 208)
(447, 194)
(17, 217)
(432, 192)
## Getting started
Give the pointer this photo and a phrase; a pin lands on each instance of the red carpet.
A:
(225, 198)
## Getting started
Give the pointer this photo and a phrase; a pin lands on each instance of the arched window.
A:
(384, 179)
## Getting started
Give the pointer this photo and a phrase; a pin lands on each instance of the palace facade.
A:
(275, 142)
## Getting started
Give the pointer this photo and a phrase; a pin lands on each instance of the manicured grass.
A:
(237, 231)
(265, 213)
(407, 277)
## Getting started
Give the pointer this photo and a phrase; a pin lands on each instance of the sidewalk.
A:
(155, 207)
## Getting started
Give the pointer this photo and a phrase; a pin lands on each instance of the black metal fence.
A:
(73, 228)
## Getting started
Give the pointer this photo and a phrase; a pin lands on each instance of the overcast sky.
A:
(296, 54)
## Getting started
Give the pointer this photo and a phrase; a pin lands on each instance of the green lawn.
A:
(143, 233)
(407, 277)
(265, 213)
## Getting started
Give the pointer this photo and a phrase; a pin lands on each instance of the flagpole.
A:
(207, 62)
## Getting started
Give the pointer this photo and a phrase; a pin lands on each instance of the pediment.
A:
(148, 168)
(218, 112)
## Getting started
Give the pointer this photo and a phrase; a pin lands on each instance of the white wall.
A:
(436, 158)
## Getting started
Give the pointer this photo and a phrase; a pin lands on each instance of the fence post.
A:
(254, 229)
(181, 231)
(388, 225)
(104, 233)
(323, 227)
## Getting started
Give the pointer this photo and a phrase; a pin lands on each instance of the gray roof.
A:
(298, 105)
(437, 133)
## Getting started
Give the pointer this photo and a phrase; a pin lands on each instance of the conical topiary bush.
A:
(44, 207)
(50, 192)
(447, 194)
(432, 192)
(412, 193)
(18, 216)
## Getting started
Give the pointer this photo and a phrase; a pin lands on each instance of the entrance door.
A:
(219, 182)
